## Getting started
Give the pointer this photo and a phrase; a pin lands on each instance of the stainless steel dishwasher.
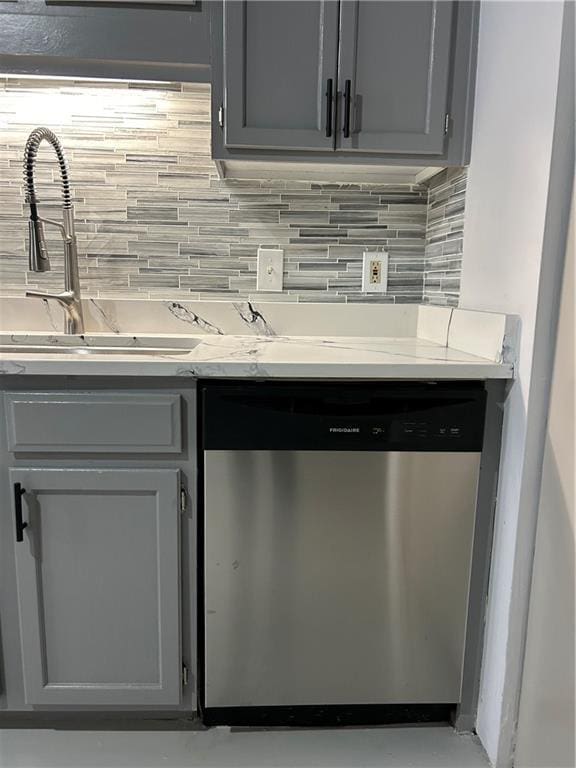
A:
(337, 524)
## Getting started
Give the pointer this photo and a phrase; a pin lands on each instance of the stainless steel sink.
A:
(29, 349)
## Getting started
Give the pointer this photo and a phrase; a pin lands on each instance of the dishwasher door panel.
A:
(336, 577)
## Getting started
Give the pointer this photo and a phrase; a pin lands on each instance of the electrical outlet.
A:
(270, 269)
(375, 272)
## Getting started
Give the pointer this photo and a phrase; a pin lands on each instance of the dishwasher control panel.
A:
(408, 416)
(445, 430)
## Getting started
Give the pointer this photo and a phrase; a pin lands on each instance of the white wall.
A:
(518, 64)
(547, 713)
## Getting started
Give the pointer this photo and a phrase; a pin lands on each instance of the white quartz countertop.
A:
(343, 357)
(268, 340)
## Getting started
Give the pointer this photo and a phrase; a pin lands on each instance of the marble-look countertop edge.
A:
(275, 357)
(460, 371)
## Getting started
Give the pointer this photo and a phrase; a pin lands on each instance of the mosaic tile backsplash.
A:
(155, 221)
(444, 237)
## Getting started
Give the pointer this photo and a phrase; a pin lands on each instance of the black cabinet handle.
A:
(329, 97)
(20, 524)
(347, 100)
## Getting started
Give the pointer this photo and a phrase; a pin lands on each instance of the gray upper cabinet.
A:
(150, 40)
(402, 76)
(280, 62)
(394, 67)
(98, 586)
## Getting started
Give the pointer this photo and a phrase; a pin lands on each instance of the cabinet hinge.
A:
(184, 674)
(446, 122)
(221, 116)
(183, 499)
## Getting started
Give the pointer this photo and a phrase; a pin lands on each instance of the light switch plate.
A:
(270, 269)
(375, 272)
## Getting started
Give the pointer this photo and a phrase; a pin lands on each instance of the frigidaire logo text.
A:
(345, 429)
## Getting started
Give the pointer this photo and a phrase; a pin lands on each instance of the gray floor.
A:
(219, 748)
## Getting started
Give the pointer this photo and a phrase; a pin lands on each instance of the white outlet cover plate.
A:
(270, 270)
(367, 285)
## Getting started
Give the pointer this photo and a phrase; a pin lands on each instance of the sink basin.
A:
(96, 344)
(29, 349)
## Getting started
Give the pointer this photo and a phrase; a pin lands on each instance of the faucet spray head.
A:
(37, 250)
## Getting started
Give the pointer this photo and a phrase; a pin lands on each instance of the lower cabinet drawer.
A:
(93, 422)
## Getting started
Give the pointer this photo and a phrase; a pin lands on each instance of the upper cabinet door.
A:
(280, 62)
(394, 75)
(98, 585)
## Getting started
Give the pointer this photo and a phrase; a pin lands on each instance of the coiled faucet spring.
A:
(37, 136)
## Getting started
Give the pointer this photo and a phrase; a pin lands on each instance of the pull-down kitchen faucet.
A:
(70, 298)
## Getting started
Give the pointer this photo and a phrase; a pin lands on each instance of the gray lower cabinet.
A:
(93, 422)
(343, 81)
(98, 580)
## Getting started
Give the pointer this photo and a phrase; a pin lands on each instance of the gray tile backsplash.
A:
(444, 237)
(154, 220)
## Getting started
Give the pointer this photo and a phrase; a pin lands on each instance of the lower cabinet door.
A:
(97, 559)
